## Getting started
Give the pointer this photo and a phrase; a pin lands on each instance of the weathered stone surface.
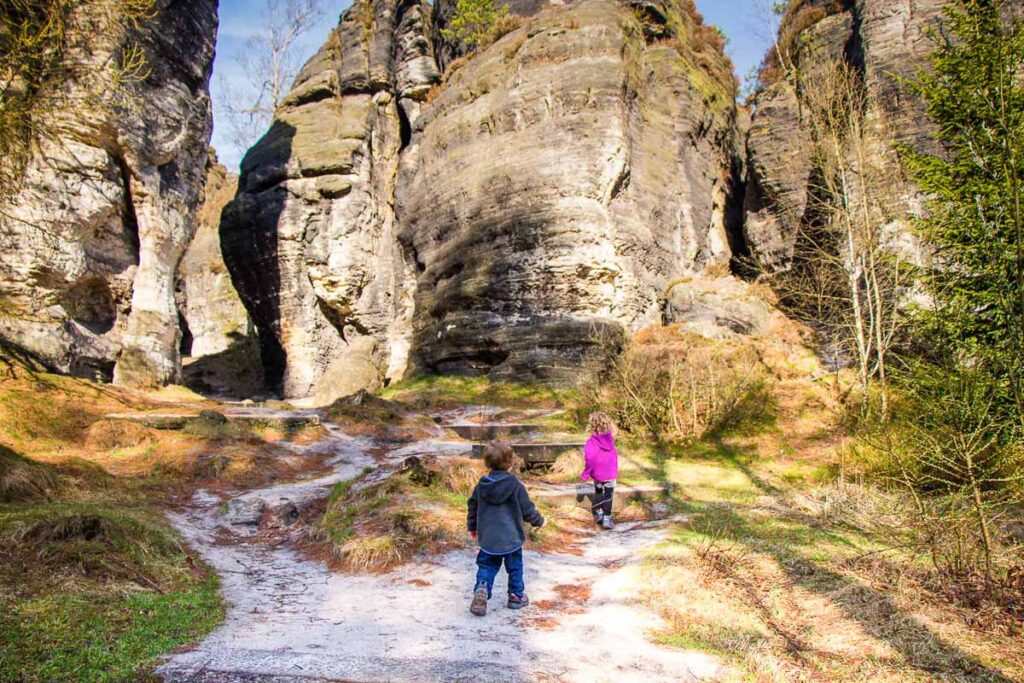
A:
(717, 308)
(220, 351)
(516, 220)
(91, 243)
(556, 185)
(779, 170)
(886, 40)
(311, 239)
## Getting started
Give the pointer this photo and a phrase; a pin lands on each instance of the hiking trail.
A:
(290, 619)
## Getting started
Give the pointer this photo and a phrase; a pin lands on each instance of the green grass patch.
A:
(439, 391)
(102, 635)
(95, 592)
(712, 638)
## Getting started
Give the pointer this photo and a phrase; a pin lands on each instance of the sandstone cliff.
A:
(886, 41)
(92, 241)
(311, 239)
(220, 353)
(544, 195)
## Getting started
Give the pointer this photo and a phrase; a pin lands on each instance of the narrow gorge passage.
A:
(291, 619)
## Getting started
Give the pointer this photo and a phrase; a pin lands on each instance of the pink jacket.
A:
(602, 460)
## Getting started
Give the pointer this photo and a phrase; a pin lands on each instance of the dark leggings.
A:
(603, 496)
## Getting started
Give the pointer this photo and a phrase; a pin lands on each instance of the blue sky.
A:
(740, 20)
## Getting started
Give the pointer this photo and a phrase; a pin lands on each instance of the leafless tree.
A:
(270, 64)
(847, 277)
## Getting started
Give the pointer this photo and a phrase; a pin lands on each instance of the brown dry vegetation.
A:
(798, 18)
(92, 578)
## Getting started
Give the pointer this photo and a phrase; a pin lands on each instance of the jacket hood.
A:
(605, 441)
(497, 487)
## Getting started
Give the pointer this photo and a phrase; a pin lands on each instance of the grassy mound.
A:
(94, 584)
(95, 592)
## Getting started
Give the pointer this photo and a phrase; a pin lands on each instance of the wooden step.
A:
(572, 494)
(181, 420)
(491, 432)
(536, 453)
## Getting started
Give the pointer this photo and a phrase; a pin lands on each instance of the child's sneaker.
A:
(607, 524)
(517, 601)
(598, 517)
(479, 605)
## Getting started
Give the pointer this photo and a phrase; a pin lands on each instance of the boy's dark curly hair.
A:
(498, 455)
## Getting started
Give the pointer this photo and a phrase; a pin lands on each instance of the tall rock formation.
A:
(558, 183)
(537, 203)
(886, 41)
(92, 241)
(311, 239)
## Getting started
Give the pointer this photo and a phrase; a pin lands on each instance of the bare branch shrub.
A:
(846, 277)
(678, 387)
(270, 64)
(60, 59)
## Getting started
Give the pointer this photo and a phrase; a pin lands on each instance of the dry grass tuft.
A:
(460, 475)
(110, 434)
(370, 553)
(567, 467)
(21, 478)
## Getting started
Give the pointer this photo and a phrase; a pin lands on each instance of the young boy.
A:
(497, 509)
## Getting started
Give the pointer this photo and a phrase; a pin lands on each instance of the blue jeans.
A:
(488, 567)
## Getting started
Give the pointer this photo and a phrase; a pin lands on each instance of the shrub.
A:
(475, 20)
(956, 459)
(678, 387)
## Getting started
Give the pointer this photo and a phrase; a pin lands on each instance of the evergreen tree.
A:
(974, 94)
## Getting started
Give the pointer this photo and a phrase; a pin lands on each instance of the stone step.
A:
(181, 420)
(282, 666)
(574, 494)
(494, 431)
(536, 453)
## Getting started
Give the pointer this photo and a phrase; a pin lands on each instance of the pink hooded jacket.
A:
(602, 460)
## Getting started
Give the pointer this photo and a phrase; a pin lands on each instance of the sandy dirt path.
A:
(290, 619)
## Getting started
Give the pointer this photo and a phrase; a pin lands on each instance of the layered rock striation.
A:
(92, 241)
(513, 219)
(886, 42)
(311, 238)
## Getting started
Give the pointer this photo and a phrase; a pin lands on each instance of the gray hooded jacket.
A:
(497, 509)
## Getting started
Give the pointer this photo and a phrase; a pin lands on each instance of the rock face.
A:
(508, 221)
(220, 352)
(91, 243)
(886, 40)
(311, 239)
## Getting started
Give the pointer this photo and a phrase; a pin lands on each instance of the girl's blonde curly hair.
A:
(599, 423)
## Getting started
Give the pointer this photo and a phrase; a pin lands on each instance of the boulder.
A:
(719, 308)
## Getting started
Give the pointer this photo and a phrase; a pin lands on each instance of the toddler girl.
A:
(602, 465)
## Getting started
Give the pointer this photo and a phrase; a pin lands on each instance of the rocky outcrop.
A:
(558, 182)
(886, 41)
(509, 221)
(91, 243)
(311, 239)
(220, 353)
